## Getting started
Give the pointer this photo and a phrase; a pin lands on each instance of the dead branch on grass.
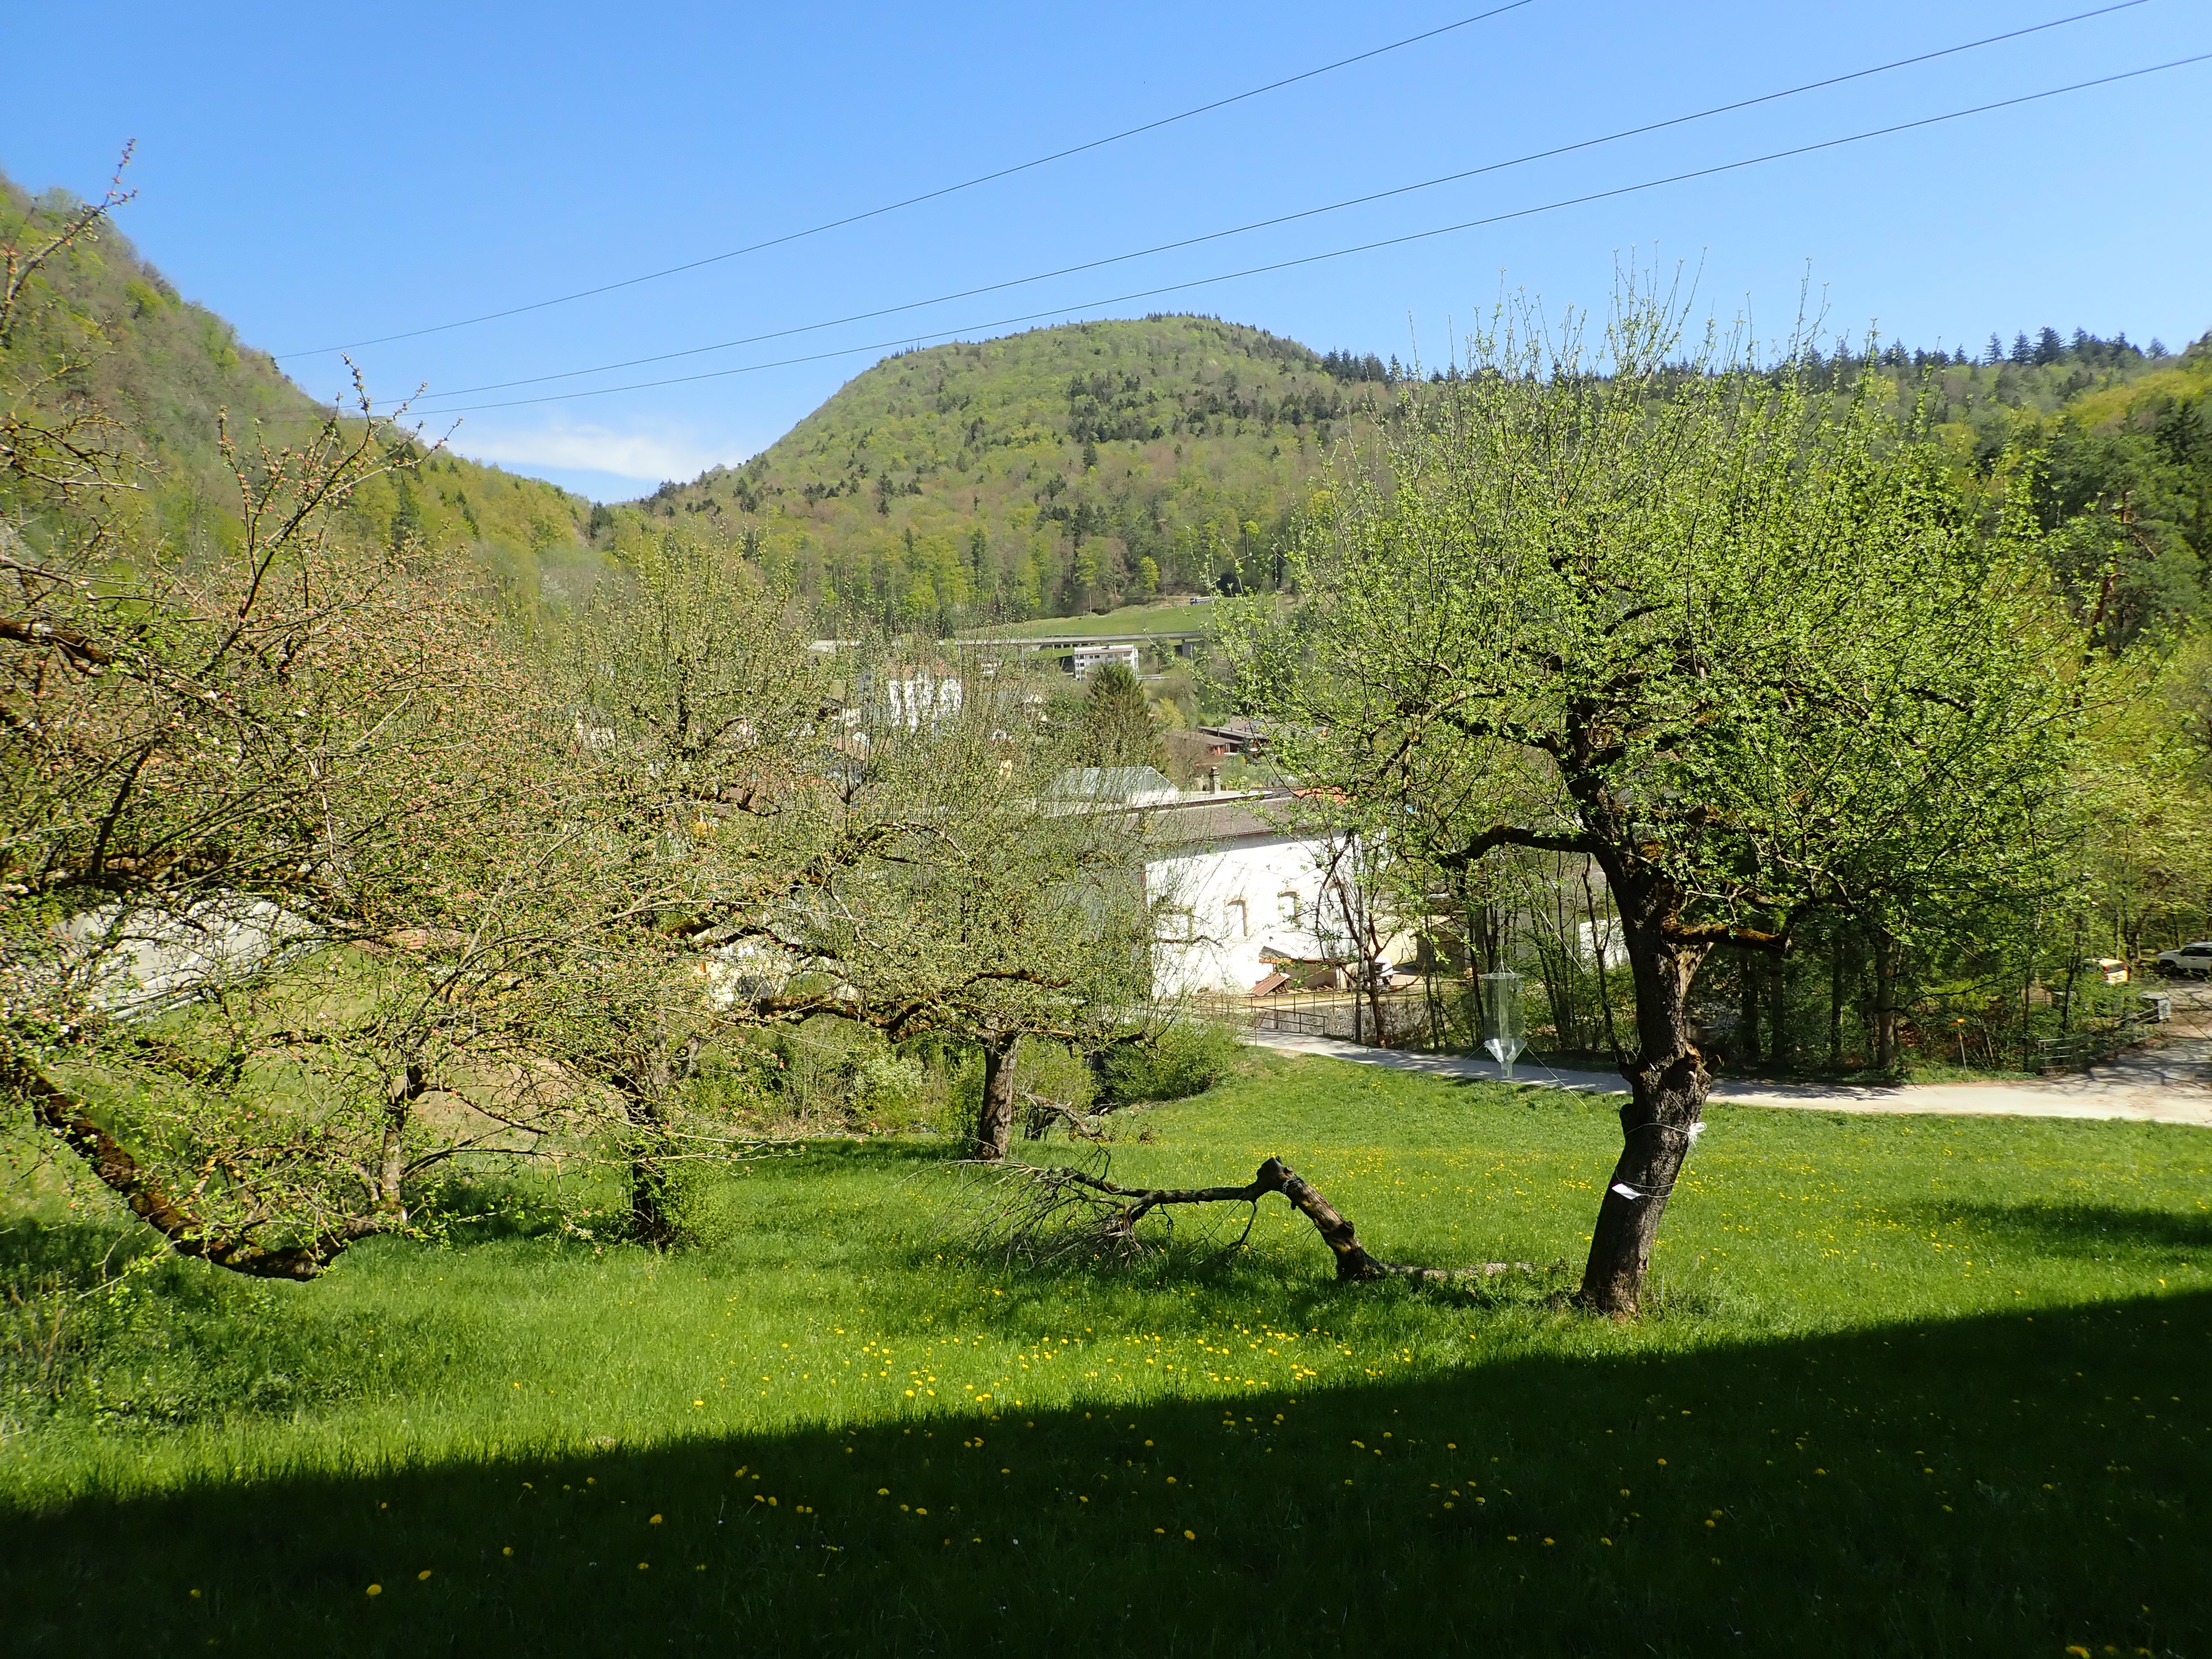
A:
(1048, 1213)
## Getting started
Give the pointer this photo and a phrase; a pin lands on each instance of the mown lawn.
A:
(1909, 1385)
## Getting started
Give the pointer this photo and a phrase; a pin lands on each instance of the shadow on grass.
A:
(2088, 1230)
(1995, 1486)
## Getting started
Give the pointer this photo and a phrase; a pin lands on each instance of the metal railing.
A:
(2077, 1051)
(1404, 1015)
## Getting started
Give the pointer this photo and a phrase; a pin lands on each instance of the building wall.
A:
(1237, 899)
(1089, 658)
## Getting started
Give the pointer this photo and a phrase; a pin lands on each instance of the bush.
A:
(890, 1087)
(1173, 1063)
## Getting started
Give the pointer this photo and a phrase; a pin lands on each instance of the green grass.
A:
(1175, 615)
(1935, 1385)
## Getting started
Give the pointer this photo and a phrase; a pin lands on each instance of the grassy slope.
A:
(167, 370)
(1159, 616)
(1198, 427)
(1926, 1382)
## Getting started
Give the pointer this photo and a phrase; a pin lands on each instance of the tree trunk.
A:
(1746, 1022)
(70, 1121)
(1666, 1082)
(995, 1120)
(1777, 1010)
(2073, 978)
(645, 1088)
(1836, 1000)
(1885, 1000)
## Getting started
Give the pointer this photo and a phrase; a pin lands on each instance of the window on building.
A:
(1286, 905)
(1239, 918)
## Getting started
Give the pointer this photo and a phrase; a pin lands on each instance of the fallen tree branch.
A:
(1044, 1111)
(1054, 1210)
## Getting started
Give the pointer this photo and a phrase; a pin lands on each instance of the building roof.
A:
(1131, 786)
(1198, 820)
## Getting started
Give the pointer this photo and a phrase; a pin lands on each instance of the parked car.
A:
(2111, 970)
(2194, 958)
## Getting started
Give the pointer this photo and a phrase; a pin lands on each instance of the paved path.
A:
(2171, 1084)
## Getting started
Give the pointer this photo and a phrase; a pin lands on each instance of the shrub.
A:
(1173, 1063)
(892, 1088)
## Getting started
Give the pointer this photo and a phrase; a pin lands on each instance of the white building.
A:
(1240, 885)
(922, 700)
(1090, 658)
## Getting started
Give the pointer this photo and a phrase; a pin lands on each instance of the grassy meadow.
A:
(1909, 1385)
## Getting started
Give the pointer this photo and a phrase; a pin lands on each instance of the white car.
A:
(2194, 958)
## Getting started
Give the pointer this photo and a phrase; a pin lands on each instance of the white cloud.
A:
(650, 457)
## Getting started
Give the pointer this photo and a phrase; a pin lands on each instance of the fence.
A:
(2079, 1050)
(1405, 1016)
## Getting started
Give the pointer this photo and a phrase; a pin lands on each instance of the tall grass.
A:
(1930, 1381)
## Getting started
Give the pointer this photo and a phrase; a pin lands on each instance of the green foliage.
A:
(1118, 728)
(1176, 1062)
(102, 326)
(1050, 473)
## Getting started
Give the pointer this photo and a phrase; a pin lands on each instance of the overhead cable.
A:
(911, 341)
(1287, 218)
(928, 195)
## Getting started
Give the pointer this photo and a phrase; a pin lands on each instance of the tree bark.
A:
(1119, 1209)
(1884, 999)
(994, 1118)
(70, 1120)
(1747, 1017)
(1836, 999)
(1777, 1009)
(644, 1088)
(1666, 1082)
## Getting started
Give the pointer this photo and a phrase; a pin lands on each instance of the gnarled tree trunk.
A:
(645, 1086)
(70, 1121)
(1666, 1082)
(995, 1119)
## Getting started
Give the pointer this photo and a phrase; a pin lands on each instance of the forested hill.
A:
(1043, 474)
(102, 328)
(1074, 469)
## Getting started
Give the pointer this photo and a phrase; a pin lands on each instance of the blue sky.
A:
(322, 175)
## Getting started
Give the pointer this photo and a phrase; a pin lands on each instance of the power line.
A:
(929, 195)
(1290, 218)
(909, 340)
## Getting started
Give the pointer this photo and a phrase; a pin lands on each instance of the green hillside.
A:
(102, 328)
(1052, 473)
(1069, 471)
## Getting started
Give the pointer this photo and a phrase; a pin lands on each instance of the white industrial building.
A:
(1240, 885)
(1088, 660)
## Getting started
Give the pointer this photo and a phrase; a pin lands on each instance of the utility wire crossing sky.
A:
(624, 189)
(1359, 200)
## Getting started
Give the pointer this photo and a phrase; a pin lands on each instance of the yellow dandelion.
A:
(507, 1550)
(425, 1573)
(654, 1522)
(1188, 1533)
(376, 1590)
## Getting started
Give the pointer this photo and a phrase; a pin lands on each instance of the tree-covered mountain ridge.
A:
(102, 330)
(1058, 471)
(1074, 468)
(1087, 466)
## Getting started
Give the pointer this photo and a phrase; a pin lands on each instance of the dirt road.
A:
(2169, 1082)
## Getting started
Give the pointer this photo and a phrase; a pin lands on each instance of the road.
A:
(2169, 1082)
